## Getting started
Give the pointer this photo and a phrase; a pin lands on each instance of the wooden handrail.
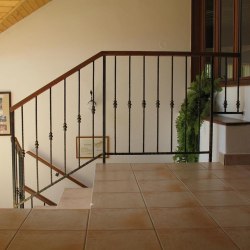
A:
(39, 196)
(46, 163)
(118, 53)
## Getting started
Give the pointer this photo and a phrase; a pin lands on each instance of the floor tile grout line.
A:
(151, 219)
(14, 236)
(207, 211)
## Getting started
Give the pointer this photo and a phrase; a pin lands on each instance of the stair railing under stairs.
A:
(135, 96)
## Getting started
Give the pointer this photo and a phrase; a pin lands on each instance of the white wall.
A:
(64, 33)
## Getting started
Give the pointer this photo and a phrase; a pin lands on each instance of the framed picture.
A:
(84, 146)
(5, 103)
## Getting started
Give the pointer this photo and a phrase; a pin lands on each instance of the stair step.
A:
(76, 198)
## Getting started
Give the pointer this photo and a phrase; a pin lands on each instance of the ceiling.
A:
(12, 11)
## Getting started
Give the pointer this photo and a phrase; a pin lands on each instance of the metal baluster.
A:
(238, 85)
(21, 162)
(104, 111)
(31, 202)
(211, 111)
(93, 110)
(225, 100)
(172, 102)
(50, 133)
(36, 146)
(186, 104)
(129, 106)
(79, 118)
(65, 129)
(143, 106)
(199, 101)
(115, 104)
(158, 100)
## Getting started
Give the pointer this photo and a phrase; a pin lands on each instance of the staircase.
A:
(126, 101)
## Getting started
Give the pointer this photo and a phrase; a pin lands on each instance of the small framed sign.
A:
(85, 148)
(5, 103)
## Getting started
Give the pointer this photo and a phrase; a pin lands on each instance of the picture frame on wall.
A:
(5, 104)
(84, 146)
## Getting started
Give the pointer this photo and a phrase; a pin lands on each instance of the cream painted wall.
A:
(64, 33)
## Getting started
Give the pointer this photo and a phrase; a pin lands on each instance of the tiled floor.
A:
(144, 207)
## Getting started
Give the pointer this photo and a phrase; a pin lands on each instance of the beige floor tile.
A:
(220, 198)
(122, 240)
(119, 219)
(12, 218)
(195, 239)
(113, 167)
(245, 195)
(116, 186)
(206, 185)
(231, 216)
(114, 175)
(162, 186)
(149, 166)
(118, 200)
(241, 236)
(239, 184)
(5, 238)
(48, 240)
(185, 166)
(213, 165)
(166, 218)
(196, 174)
(162, 174)
(170, 199)
(56, 219)
(231, 174)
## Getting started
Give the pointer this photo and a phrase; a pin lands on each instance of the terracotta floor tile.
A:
(239, 184)
(213, 165)
(197, 174)
(170, 199)
(162, 186)
(113, 167)
(114, 175)
(166, 218)
(119, 219)
(149, 166)
(241, 236)
(118, 200)
(56, 219)
(231, 174)
(185, 166)
(122, 240)
(220, 198)
(195, 239)
(49, 240)
(5, 237)
(12, 218)
(231, 216)
(116, 186)
(206, 185)
(163, 174)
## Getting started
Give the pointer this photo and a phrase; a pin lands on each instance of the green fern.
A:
(191, 116)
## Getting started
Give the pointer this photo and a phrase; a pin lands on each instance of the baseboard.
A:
(234, 159)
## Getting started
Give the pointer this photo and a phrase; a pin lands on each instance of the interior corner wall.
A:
(64, 33)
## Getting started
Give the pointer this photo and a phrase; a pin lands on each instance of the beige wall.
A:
(65, 33)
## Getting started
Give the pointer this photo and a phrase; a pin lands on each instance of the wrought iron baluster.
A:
(186, 106)
(65, 127)
(199, 100)
(129, 107)
(158, 101)
(225, 104)
(21, 162)
(36, 145)
(104, 111)
(172, 102)
(143, 104)
(93, 110)
(238, 85)
(115, 104)
(31, 202)
(79, 118)
(50, 134)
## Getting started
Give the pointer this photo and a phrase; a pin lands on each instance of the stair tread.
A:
(228, 121)
(76, 198)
